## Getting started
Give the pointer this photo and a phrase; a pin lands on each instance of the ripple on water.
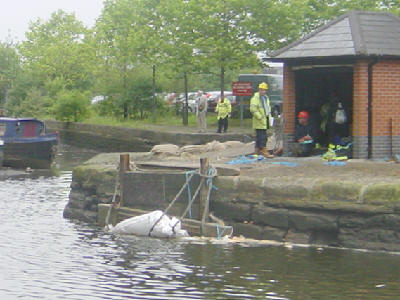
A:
(44, 256)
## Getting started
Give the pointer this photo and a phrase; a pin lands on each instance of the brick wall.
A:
(385, 108)
(289, 107)
(360, 110)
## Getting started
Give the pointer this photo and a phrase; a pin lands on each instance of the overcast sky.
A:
(15, 15)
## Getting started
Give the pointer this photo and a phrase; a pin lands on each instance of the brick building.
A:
(355, 58)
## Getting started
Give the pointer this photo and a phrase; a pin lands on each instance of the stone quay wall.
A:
(342, 214)
(112, 138)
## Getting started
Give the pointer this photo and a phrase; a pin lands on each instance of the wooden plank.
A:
(124, 166)
(223, 170)
(204, 166)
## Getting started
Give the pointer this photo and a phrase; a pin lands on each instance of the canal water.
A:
(44, 256)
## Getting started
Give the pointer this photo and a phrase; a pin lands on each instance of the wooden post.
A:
(124, 165)
(204, 166)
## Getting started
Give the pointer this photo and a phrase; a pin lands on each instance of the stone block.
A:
(303, 221)
(248, 230)
(328, 238)
(282, 192)
(226, 188)
(351, 221)
(90, 177)
(89, 202)
(245, 189)
(273, 234)
(106, 199)
(297, 237)
(76, 199)
(226, 183)
(75, 185)
(275, 217)
(383, 221)
(380, 235)
(336, 191)
(349, 237)
(382, 194)
(236, 212)
(103, 211)
(373, 239)
(250, 185)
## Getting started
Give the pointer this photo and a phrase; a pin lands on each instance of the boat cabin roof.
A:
(7, 119)
(21, 128)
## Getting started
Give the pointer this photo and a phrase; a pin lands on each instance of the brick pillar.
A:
(360, 112)
(386, 109)
(289, 107)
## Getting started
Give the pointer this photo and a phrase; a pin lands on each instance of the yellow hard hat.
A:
(263, 85)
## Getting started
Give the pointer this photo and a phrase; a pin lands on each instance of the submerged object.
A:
(155, 223)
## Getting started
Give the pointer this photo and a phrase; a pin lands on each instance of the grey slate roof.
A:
(356, 33)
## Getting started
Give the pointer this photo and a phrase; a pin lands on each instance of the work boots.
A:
(265, 153)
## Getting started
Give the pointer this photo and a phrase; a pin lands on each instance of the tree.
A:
(57, 62)
(59, 48)
(273, 24)
(118, 50)
(9, 69)
(317, 13)
(179, 47)
(151, 22)
(222, 38)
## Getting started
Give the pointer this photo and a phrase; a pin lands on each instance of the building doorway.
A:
(319, 90)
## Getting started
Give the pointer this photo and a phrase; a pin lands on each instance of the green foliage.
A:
(57, 70)
(34, 104)
(62, 63)
(72, 105)
(136, 98)
(24, 97)
(9, 68)
(317, 12)
(58, 48)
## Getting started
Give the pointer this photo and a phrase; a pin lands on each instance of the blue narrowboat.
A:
(25, 143)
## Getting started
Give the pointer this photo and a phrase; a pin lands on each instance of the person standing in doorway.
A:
(201, 111)
(261, 111)
(224, 110)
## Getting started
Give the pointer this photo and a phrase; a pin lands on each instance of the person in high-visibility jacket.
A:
(261, 111)
(224, 110)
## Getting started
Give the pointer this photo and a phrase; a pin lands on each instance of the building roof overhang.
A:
(357, 34)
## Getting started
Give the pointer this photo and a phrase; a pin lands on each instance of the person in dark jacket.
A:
(305, 135)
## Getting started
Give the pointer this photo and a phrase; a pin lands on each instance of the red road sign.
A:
(242, 88)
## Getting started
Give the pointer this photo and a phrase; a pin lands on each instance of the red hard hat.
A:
(303, 114)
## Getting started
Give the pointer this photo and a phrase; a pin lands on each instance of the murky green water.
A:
(44, 256)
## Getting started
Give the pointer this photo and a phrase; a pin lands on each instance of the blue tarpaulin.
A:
(243, 159)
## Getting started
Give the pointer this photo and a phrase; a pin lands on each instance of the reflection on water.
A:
(44, 256)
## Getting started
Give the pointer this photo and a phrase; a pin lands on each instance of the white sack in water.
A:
(141, 225)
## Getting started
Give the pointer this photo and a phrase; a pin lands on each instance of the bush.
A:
(72, 105)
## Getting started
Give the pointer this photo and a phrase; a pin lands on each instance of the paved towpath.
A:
(306, 169)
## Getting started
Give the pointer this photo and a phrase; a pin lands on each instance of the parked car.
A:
(192, 101)
(215, 96)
